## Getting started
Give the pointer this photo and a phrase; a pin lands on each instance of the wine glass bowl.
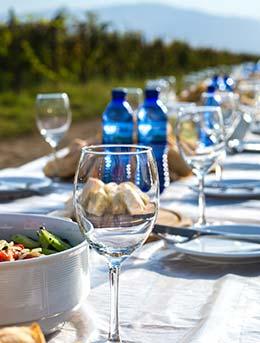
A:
(200, 137)
(134, 97)
(53, 117)
(116, 196)
(228, 103)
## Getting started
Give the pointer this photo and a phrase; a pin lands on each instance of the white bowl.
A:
(48, 288)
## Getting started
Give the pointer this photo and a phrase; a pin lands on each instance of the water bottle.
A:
(215, 81)
(229, 83)
(210, 98)
(152, 131)
(118, 123)
(220, 83)
(118, 128)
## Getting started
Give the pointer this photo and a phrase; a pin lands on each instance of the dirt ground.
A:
(17, 151)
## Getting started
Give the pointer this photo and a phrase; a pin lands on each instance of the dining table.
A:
(165, 295)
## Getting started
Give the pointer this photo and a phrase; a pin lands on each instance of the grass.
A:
(17, 110)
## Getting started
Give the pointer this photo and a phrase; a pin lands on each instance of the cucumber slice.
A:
(44, 243)
(54, 241)
(25, 241)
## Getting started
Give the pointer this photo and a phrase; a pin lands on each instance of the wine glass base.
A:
(211, 222)
(105, 340)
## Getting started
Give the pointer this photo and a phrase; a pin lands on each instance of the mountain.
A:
(168, 22)
(197, 28)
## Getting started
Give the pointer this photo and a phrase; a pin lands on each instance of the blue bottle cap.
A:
(211, 89)
(152, 93)
(119, 93)
(229, 82)
(215, 78)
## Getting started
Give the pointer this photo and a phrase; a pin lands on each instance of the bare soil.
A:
(17, 151)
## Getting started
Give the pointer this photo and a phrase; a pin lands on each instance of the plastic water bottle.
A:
(210, 98)
(229, 83)
(118, 128)
(118, 123)
(152, 131)
(215, 81)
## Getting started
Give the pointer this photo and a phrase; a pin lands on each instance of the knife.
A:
(191, 233)
(247, 147)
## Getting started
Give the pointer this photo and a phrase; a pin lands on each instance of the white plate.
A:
(214, 249)
(15, 186)
(230, 188)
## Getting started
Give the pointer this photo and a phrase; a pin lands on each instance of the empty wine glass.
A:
(117, 215)
(201, 141)
(164, 87)
(53, 118)
(134, 98)
(228, 102)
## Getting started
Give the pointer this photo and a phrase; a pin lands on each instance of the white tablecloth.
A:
(166, 296)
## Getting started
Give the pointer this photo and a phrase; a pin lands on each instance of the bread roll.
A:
(131, 198)
(94, 197)
(177, 166)
(22, 334)
(65, 167)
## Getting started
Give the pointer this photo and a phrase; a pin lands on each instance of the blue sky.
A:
(242, 8)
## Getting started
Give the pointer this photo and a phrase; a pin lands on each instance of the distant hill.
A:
(169, 22)
(197, 28)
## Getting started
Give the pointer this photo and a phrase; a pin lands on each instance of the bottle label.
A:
(152, 133)
(114, 133)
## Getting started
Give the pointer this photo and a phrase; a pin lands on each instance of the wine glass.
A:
(117, 216)
(201, 141)
(53, 118)
(171, 98)
(228, 102)
(134, 98)
(174, 109)
(164, 87)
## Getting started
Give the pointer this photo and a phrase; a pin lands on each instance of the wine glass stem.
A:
(114, 287)
(202, 202)
(55, 158)
(219, 172)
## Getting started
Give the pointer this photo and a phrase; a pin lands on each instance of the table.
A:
(166, 296)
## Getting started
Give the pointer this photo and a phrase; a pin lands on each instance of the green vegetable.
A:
(25, 241)
(54, 241)
(47, 251)
(43, 240)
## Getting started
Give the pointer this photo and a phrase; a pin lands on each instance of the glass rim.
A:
(92, 149)
(199, 109)
(47, 96)
(134, 91)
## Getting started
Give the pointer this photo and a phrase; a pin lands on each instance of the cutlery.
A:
(15, 185)
(246, 147)
(19, 188)
(182, 235)
(225, 188)
(244, 186)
